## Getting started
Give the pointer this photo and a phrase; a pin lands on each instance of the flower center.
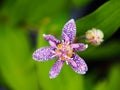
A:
(64, 51)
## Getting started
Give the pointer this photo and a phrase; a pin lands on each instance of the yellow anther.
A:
(64, 50)
(59, 46)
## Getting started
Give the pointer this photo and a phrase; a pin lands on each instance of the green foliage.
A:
(19, 71)
(113, 82)
(79, 3)
(105, 19)
(16, 65)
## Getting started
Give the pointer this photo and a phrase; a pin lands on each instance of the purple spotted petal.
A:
(55, 70)
(69, 31)
(78, 64)
(79, 47)
(44, 54)
(51, 39)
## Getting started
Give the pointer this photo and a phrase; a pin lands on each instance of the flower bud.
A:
(94, 36)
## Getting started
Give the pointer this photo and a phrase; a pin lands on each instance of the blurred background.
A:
(22, 23)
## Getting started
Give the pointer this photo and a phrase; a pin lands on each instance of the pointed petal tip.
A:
(51, 77)
(69, 31)
(34, 56)
(79, 47)
(72, 20)
(43, 54)
(83, 73)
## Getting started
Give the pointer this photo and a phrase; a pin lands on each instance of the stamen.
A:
(64, 51)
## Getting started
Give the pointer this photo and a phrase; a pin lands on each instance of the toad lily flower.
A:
(64, 51)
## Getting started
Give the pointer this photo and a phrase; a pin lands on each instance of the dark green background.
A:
(22, 23)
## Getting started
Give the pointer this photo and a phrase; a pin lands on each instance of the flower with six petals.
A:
(64, 51)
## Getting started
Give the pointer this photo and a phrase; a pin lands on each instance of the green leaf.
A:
(114, 77)
(79, 3)
(16, 66)
(112, 82)
(102, 85)
(31, 12)
(104, 18)
(109, 50)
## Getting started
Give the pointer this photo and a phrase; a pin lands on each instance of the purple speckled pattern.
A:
(79, 65)
(55, 70)
(79, 47)
(43, 54)
(69, 29)
(64, 51)
(51, 38)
